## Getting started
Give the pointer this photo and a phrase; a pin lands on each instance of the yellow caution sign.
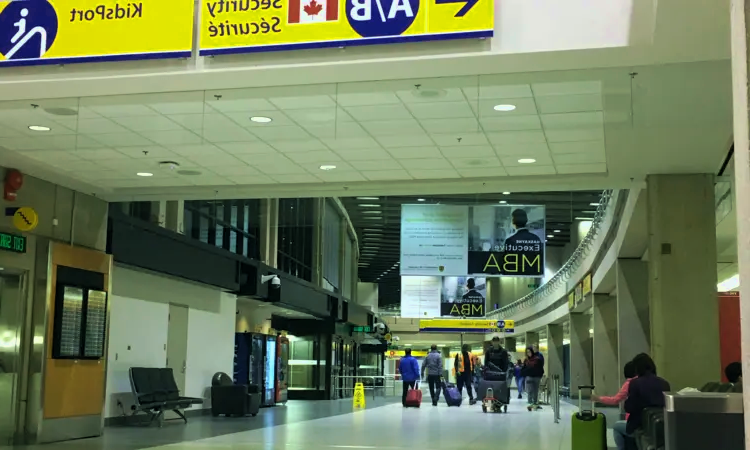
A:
(25, 219)
(359, 396)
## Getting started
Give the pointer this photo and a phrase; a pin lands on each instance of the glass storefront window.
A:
(302, 362)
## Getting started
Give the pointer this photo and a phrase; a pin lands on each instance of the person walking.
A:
(533, 371)
(464, 368)
(520, 384)
(409, 368)
(433, 365)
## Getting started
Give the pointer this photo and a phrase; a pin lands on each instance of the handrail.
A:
(565, 272)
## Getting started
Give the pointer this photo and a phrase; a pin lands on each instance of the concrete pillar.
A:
(532, 339)
(159, 212)
(580, 352)
(740, 59)
(554, 362)
(175, 216)
(269, 231)
(510, 345)
(682, 278)
(607, 369)
(633, 322)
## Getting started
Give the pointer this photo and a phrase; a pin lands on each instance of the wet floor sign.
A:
(359, 396)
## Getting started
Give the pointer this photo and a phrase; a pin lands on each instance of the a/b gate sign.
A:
(244, 26)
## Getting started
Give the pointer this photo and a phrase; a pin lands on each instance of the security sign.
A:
(25, 219)
(68, 31)
(242, 26)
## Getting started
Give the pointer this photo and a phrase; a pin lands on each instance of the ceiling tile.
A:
(518, 150)
(195, 150)
(577, 134)
(578, 158)
(379, 112)
(286, 169)
(427, 94)
(567, 88)
(238, 100)
(416, 152)
(467, 151)
(229, 134)
(281, 133)
(351, 143)
(569, 103)
(146, 123)
(251, 179)
(170, 138)
(469, 138)
(416, 139)
(314, 167)
(122, 140)
(214, 159)
(511, 161)
(382, 175)
(314, 157)
(572, 120)
(367, 98)
(371, 154)
(199, 122)
(596, 147)
(318, 116)
(421, 174)
(530, 169)
(337, 130)
(296, 178)
(236, 170)
(100, 153)
(491, 86)
(427, 164)
(151, 150)
(441, 110)
(334, 176)
(265, 160)
(131, 164)
(391, 127)
(303, 102)
(53, 155)
(99, 126)
(467, 163)
(279, 119)
(116, 110)
(383, 164)
(239, 148)
(299, 146)
(517, 137)
(510, 123)
(209, 181)
(450, 125)
(196, 106)
(67, 164)
(581, 168)
(483, 172)
(524, 107)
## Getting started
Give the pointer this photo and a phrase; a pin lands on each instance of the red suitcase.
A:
(414, 397)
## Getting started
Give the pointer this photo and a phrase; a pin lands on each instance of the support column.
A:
(532, 339)
(175, 216)
(580, 352)
(682, 278)
(159, 212)
(740, 10)
(607, 370)
(633, 325)
(269, 231)
(554, 362)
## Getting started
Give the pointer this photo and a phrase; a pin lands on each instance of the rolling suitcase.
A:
(500, 390)
(413, 397)
(589, 428)
(451, 394)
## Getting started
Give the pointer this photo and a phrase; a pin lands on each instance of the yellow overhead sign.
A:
(465, 326)
(400, 353)
(68, 31)
(242, 26)
(587, 284)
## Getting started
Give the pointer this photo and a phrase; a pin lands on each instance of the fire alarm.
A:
(13, 182)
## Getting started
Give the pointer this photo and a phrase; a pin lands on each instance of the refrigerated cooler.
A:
(282, 369)
(255, 364)
(269, 371)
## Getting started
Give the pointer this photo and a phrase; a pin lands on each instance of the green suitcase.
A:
(589, 428)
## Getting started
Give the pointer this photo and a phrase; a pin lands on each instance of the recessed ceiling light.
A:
(503, 202)
(369, 206)
(504, 108)
(556, 231)
(145, 174)
(261, 119)
(327, 167)
(550, 235)
(39, 128)
(527, 161)
(368, 198)
(420, 199)
(506, 193)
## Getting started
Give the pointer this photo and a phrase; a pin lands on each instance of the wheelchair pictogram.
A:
(27, 29)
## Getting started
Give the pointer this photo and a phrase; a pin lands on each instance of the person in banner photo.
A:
(463, 297)
(522, 238)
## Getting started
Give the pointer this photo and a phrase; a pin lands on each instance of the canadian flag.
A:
(313, 11)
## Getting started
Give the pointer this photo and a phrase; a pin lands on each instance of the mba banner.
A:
(244, 26)
(69, 31)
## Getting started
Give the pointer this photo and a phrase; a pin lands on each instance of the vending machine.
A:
(269, 371)
(282, 369)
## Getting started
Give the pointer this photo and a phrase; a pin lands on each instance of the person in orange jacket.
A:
(464, 367)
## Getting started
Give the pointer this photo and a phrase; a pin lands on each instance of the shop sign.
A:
(464, 326)
(12, 243)
(587, 284)
(244, 26)
(70, 31)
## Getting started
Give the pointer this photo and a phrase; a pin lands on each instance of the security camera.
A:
(380, 328)
(274, 279)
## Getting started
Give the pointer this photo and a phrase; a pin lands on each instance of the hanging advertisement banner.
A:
(488, 240)
(420, 297)
(463, 297)
(245, 26)
(72, 31)
(465, 326)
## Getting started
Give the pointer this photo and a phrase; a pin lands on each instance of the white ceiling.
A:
(407, 136)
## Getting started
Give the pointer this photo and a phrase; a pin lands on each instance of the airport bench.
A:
(155, 392)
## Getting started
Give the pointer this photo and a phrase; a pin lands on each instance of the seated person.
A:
(619, 427)
(733, 372)
(645, 391)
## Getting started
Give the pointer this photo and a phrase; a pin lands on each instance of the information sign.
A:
(12, 243)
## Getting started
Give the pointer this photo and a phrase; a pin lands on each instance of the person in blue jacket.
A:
(409, 368)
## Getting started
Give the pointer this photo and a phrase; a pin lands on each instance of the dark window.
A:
(295, 241)
(233, 225)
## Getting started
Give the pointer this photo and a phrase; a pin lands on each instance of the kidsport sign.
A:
(67, 31)
(243, 26)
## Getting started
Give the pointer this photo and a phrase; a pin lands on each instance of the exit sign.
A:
(361, 329)
(12, 243)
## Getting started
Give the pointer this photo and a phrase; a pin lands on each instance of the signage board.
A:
(245, 26)
(360, 329)
(463, 297)
(571, 300)
(70, 31)
(586, 284)
(402, 353)
(464, 326)
(578, 293)
(12, 243)
(25, 219)
(480, 240)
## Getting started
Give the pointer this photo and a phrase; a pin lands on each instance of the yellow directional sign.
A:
(25, 219)
(359, 396)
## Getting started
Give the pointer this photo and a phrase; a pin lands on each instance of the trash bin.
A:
(704, 420)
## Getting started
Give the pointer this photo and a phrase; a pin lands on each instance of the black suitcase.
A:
(500, 390)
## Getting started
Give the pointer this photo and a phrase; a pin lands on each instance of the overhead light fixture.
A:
(594, 204)
(372, 212)
(372, 217)
(39, 128)
(261, 119)
(327, 167)
(526, 161)
(368, 198)
(550, 235)
(556, 231)
(729, 284)
(503, 202)
(589, 212)
(145, 174)
(366, 205)
(504, 108)
(420, 200)
(506, 193)
(584, 218)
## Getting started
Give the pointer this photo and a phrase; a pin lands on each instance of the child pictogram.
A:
(27, 29)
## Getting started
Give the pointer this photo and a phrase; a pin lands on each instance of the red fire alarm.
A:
(13, 182)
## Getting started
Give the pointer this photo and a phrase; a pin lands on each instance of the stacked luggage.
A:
(494, 392)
